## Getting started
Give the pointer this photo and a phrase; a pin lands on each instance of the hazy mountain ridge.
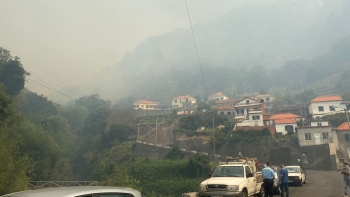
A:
(254, 35)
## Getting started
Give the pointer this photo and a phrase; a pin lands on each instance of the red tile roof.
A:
(187, 96)
(226, 101)
(219, 94)
(226, 108)
(285, 118)
(145, 102)
(327, 98)
(343, 127)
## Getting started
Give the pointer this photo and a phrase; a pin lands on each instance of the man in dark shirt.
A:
(283, 179)
(346, 173)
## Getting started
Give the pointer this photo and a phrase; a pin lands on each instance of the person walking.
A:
(283, 181)
(346, 173)
(268, 176)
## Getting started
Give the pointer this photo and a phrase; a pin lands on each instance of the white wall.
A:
(281, 128)
(313, 108)
(323, 123)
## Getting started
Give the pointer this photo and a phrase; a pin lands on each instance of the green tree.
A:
(175, 154)
(200, 164)
(12, 73)
(335, 120)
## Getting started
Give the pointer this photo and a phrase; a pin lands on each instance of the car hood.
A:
(294, 174)
(223, 180)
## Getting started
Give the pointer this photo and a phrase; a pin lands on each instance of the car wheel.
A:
(262, 192)
(244, 194)
(301, 183)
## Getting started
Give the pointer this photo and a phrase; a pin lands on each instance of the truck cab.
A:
(233, 179)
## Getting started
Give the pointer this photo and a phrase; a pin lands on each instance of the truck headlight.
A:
(233, 188)
(203, 187)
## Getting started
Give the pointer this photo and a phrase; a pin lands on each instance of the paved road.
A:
(319, 184)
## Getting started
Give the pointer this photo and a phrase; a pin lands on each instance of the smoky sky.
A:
(71, 41)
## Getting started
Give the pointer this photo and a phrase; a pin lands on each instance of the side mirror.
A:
(250, 175)
(210, 175)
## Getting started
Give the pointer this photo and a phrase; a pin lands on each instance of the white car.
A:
(296, 174)
(79, 191)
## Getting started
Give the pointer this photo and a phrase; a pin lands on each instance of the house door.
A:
(317, 138)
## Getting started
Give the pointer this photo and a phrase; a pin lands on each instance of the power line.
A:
(195, 44)
(41, 69)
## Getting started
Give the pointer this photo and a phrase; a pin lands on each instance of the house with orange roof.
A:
(183, 102)
(325, 105)
(342, 141)
(145, 105)
(285, 123)
(226, 107)
(218, 96)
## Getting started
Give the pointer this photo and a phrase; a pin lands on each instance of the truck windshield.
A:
(229, 171)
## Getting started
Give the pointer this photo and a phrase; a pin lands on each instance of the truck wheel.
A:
(301, 183)
(244, 194)
(262, 192)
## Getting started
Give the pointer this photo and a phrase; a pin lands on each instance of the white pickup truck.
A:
(233, 179)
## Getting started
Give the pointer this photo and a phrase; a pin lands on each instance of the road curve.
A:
(319, 184)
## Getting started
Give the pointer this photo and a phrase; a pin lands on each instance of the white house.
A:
(145, 105)
(266, 98)
(249, 112)
(184, 102)
(325, 105)
(226, 107)
(285, 122)
(218, 96)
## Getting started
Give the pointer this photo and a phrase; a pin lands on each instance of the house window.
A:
(187, 100)
(289, 128)
(320, 108)
(307, 136)
(175, 101)
(229, 113)
(347, 137)
(325, 136)
(267, 98)
(242, 110)
(331, 108)
(348, 107)
(319, 124)
(222, 98)
(256, 117)
(247, 101)
(221, 113)
(141, 105)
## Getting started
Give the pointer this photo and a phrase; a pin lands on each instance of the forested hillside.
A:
(86, 140)
(240, 52)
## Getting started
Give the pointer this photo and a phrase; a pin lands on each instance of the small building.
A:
(342, 140)
(325, 105)
(267, 99)
(226, 107)
(218, 96)
(285, 123)
(314, 135)
(249, 112)
(183, 102)
(145, 105)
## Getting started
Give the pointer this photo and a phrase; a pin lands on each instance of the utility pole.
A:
(157, 130)
(213, 134)
(138, 129)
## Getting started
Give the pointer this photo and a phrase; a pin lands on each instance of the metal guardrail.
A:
(44, 184)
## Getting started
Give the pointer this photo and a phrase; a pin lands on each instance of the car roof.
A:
(292, 166)
(73, 191)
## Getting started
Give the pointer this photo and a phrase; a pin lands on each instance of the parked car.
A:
(79, 191)
(296, 175)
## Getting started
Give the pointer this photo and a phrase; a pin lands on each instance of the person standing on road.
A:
(268, 176)
(283, 181)
(346, 173)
